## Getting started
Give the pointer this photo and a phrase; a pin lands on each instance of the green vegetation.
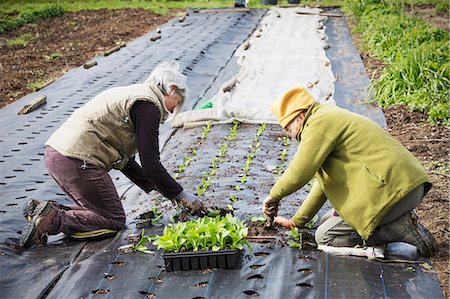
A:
(417, 53)
(296, 236)
(206, 233)
(9, 22)
(21, 40)
(34, 86)
(158, 6)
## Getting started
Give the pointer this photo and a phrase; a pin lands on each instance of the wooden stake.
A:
(156, 37)
(319, 14)
(112, 50)
(40, 100)
(90, 64)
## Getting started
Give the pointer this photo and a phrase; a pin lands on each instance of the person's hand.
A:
(270, 210)
(284, 222)
(191, 203)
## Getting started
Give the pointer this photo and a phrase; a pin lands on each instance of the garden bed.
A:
(428, 143)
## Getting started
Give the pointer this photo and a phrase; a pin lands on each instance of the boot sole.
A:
(93, 235)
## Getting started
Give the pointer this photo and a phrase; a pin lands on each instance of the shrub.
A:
(12, 22)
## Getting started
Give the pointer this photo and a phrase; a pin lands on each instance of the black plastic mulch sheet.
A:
(204, 44)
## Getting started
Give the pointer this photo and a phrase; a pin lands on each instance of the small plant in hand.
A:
(259, 218)
(204, 234)
(296, 236)
(311, 222)
(140, 246)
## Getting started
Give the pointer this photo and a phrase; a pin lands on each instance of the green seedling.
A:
(186, 161)
(283, 155)
(213, 212)
(53, 56)
(237, 187)
(222, 149)
(206, 233)
(285, 140)
(243, 178)
(21, 40)
(194, 152)
(230, 207)
(201, 189)
(233, 198)
(214, 162)
(258, 219)
(296, 238)
(311, 222)
(261, 129)
(140, 246)
(206, 129)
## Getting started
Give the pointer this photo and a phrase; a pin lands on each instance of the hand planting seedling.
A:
(206, 233)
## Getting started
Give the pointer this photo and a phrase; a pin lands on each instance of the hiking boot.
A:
(36, 231)
(29, 208)
(406, 229)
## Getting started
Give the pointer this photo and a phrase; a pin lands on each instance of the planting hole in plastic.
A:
(201, 284)
(120, 264)
(304, 285)
(304, 270)
(251, 293)
(262, 253)
(148, 294)
(155, 279)
(100, 291)
(256, 266)
(256, 276)
(109, 276)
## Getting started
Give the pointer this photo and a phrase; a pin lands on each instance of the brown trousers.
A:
(96, 202)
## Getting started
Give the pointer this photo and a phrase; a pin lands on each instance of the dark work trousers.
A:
(96, 202)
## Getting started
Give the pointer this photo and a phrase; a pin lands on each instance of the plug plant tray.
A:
(196, 260)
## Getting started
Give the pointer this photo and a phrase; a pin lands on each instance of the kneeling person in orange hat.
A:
(372, 182)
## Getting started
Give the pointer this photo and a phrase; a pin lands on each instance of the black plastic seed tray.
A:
(195, 260)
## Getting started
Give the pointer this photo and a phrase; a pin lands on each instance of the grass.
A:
(159, 6)
(417, 55)
(35, 85)
(21, 40)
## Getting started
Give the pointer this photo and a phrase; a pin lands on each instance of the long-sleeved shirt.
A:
(361, 169)
(152, 174)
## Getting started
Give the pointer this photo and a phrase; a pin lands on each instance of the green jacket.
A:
(360, 168)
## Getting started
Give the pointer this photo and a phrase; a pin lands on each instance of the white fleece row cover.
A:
(286, 50)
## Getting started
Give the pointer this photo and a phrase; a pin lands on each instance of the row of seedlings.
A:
(187, 159)
(253, 149)
(282, 158)
(206, 180)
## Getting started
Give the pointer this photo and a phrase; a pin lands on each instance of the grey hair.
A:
(167, 74)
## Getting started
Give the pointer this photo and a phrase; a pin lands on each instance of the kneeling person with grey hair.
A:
(107, 133)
